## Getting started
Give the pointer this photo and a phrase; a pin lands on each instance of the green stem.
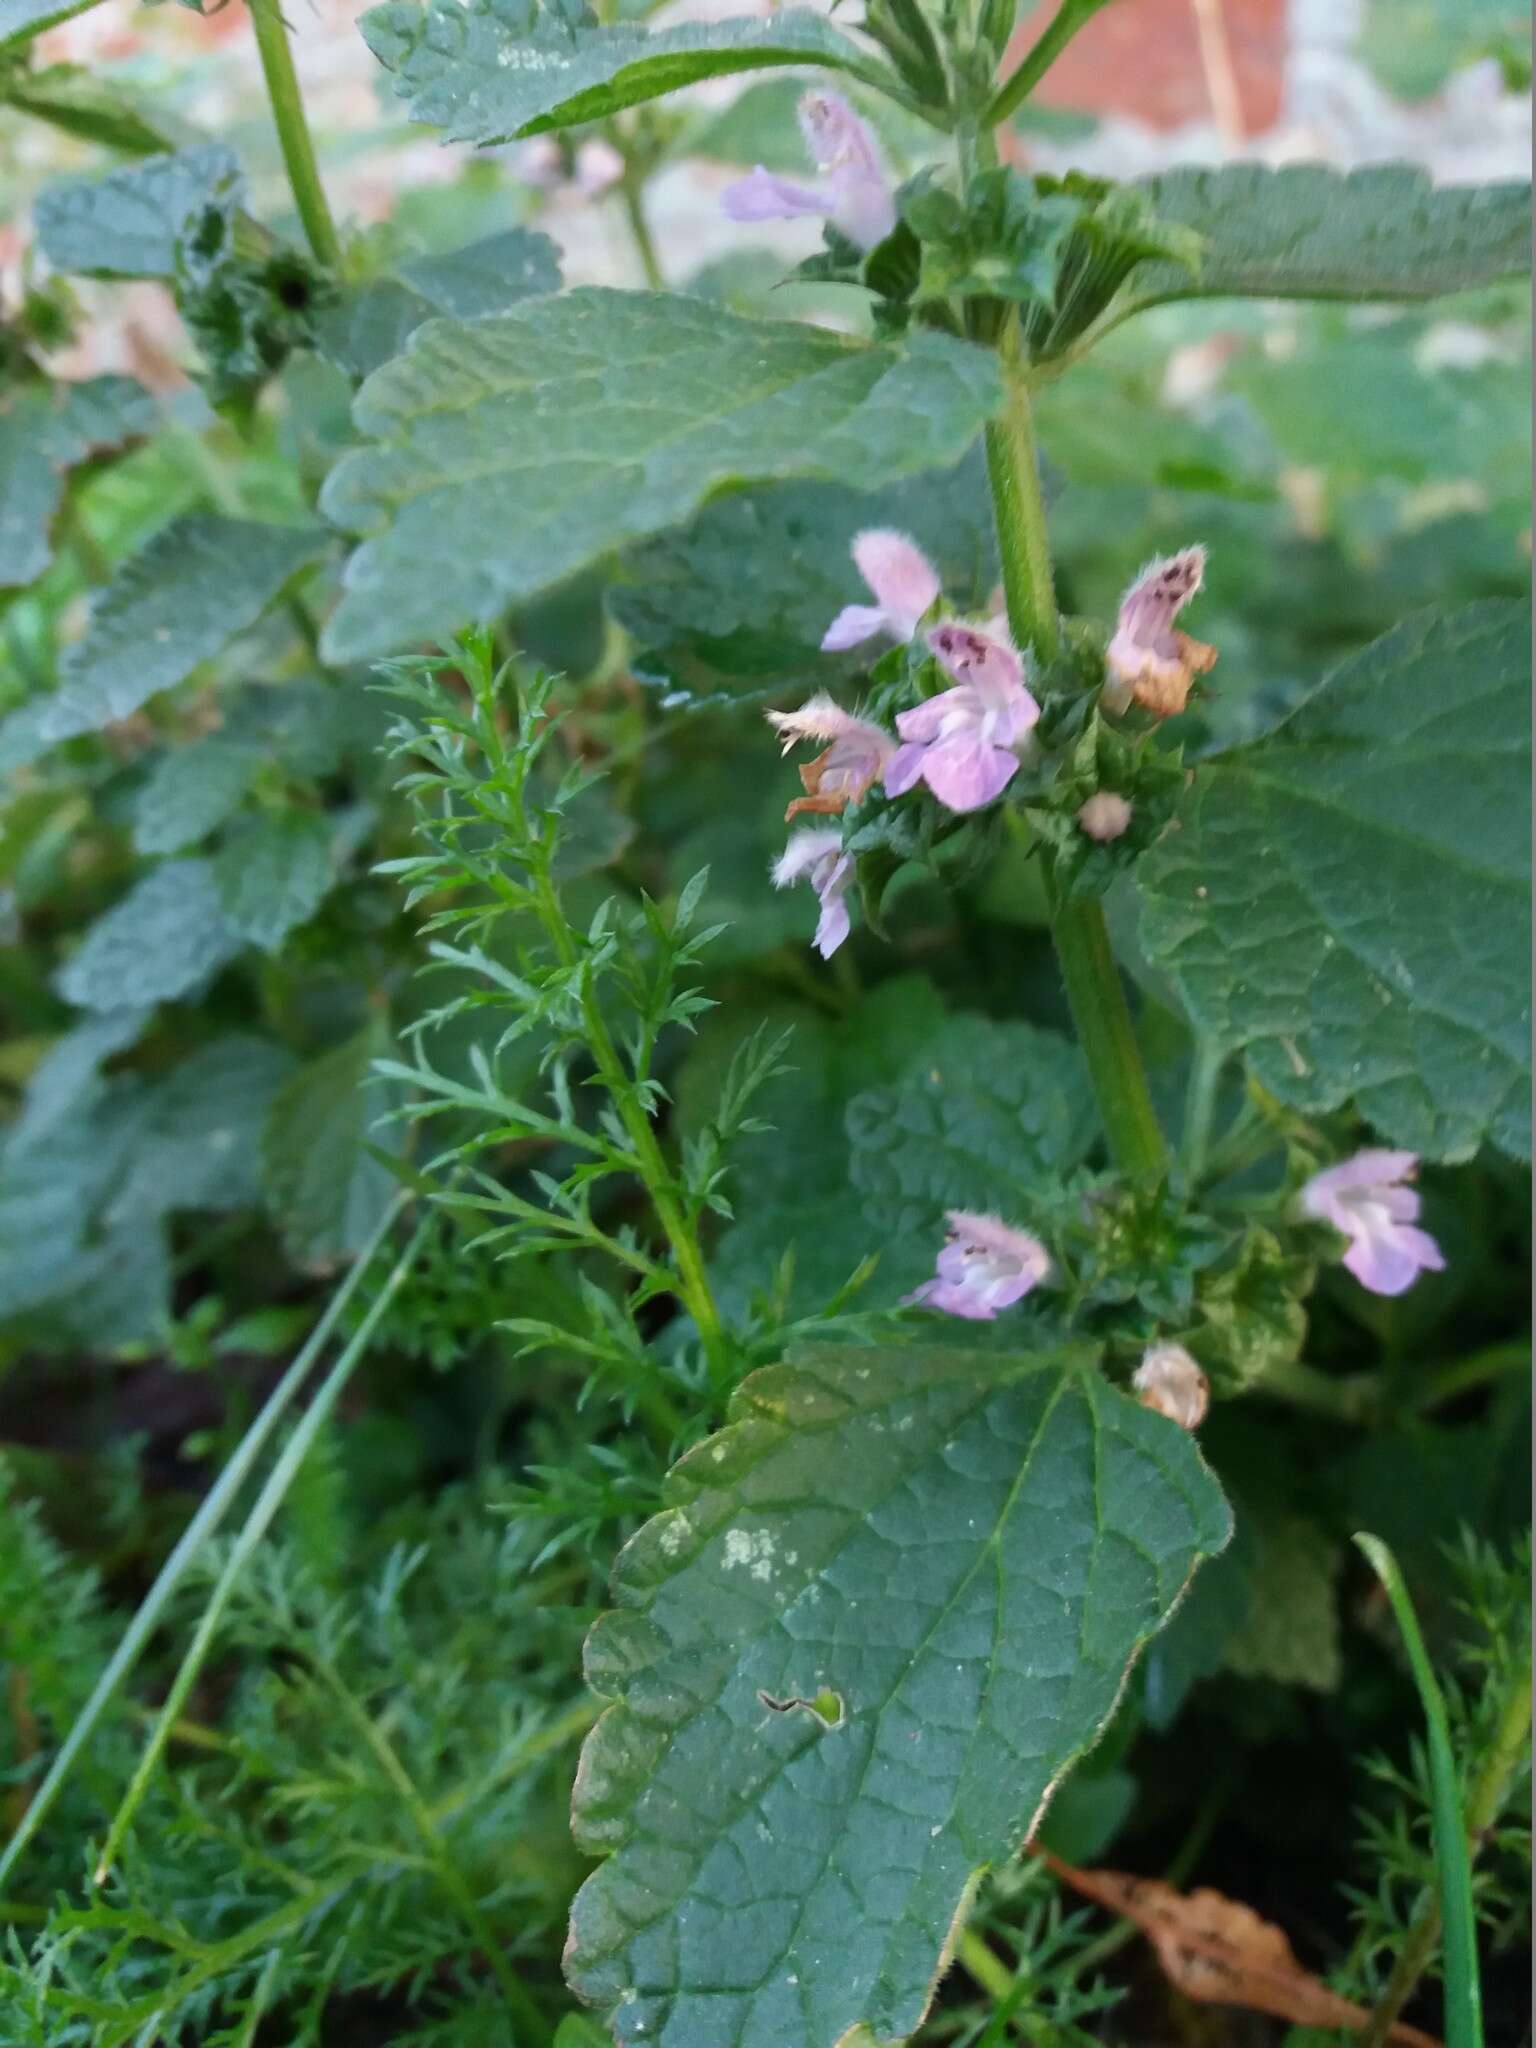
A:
(1042, 54)
(1107, 1036)
(1094, 988)
(293, 132)
(640, 232)
(1013, 469)
(1200, 1105)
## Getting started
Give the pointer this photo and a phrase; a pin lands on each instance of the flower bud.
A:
(1105, 815)
(1169, 1381)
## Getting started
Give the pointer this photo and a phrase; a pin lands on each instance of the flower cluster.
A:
(962, 744)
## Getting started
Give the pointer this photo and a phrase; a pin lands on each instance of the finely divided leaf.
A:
(1348, 900)
(885, 1611)
(490, 70)
(1310, 232)
(514, 450)
(128, 223)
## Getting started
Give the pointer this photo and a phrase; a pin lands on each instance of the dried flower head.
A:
(1169, 1380)
(846, 769)
(1148, 657)
(1105, 816)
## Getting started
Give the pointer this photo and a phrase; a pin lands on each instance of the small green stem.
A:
(1042, 54)
(293, 132)
(1107, 1036)
(1013, 469)
(640, 232)
(1200, 1105)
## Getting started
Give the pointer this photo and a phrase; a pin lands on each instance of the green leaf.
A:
(517, 449)
(1290, 1635)
(965, 1552)
(191, 791)
(45, 430)
(167, 936)
(272, 875)
(21, 20)
(374, 322)
(76, 100)
(990, 1117)
(129, 222)
(198, 1141)
(324, 1189)
(196, 584)
(1348, 900)
(703, 626)
(1310, 232)
(494, 69)
(1413, 46)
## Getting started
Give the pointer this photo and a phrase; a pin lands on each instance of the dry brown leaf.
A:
(1221, 1952)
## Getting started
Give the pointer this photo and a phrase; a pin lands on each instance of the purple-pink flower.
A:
(853, 191)
(816, 855)
(844, 771)
(961, 743)
(904, 583)
(985, 1265)
(1148, 657)
(1367, 1199)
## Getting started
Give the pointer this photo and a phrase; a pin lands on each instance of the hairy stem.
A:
(293, 132)
(1484, 1798)
(640, 232)
(1094, 988)
(1042, 54)
(1013, 469)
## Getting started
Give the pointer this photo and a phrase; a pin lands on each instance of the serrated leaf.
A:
(198, 1141)
(273, 874)
(193, 587)
(1307, 231)
(519, 448)
(1348, 900)
(324, 1190)
(490, 70)
(374, 322)
(991, 1117)
(959, 1554)
(191, 791)
(167, 936)
(45, 430)
(705, 626)
(129, 222)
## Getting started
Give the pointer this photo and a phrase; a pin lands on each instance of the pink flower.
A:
(985, 1265)
(853, 193)
(905, 583)
(1148, 658)
(816, 856)
(1169, 1381)
(1365, 1198)
(840, 775)
(961, 742)
(1105, 816)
